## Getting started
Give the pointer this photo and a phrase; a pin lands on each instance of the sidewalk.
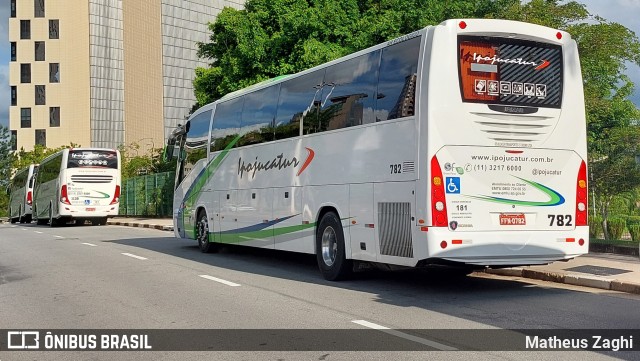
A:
(606, 271)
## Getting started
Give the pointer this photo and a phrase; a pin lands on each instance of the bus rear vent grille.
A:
(91, 178)
(395, 229)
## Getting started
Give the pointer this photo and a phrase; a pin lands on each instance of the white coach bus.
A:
(21, 195)
(459, 144)
(77, 184)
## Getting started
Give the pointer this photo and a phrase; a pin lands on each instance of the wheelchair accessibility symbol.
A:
(453, 185)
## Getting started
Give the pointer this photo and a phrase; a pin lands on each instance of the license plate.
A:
(90, 209)
(513, 219)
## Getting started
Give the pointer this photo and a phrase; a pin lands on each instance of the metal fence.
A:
(148, 195)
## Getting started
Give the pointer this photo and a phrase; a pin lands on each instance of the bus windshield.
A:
(93, 159)
(510, 72)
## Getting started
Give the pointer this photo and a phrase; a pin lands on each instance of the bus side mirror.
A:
(167, 153)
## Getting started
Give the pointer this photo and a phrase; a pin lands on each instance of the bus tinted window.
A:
(397, 80)
(258, 116)
(196, 142)
(226, 123)
(348, 93)
(510, 71)
(92, 159)
(299, 98)
(50, 170)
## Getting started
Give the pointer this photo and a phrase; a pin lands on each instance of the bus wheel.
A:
(330, 252)
(202, 234)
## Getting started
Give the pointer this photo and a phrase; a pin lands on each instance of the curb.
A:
(571, 279)
(141, 225)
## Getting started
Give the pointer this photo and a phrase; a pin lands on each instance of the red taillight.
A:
(581, 196)
(116, 196)
(438, 201)
(29, 198)
(462, 25)
(64, 197)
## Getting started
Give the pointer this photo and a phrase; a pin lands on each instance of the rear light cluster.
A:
(116, 196)
(438, 201)
(581, 196)
(64, 196)
(29, 197)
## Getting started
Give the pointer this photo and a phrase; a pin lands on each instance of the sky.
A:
(625, 12)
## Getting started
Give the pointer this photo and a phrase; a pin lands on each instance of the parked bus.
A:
(21, 195)
(78, 184)
(459, 144)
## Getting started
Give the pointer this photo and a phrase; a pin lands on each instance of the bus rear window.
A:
(92, 158)
(510, 72)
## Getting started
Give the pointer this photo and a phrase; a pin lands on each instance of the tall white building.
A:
(104, 72)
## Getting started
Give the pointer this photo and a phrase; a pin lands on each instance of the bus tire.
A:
(202, 234)
(330, 249)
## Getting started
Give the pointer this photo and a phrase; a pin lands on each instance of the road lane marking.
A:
(24, 229)
(38, 232)
(89, 244)
(220, 281)
(58, 236)
(406, 336)
(134, 256)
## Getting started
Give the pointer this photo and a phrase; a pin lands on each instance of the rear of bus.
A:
(90, 184)
(506, 144)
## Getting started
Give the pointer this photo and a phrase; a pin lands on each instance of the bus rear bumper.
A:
(89, 212)
(507, 248)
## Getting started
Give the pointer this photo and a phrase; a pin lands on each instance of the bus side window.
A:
(196, 141)
(397, 81)
(258, 116)
(348, 93)
(226, 123)
(299, 102)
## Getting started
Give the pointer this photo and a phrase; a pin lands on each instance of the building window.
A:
(41, 98)
(54, 72)
(39, 50)
(41, 137)
(14, 140)
(54, 116)
(25, 73)
(14, 95)
(53, 29)
(25, 118)
(38, 6)
(13, 8)
(25, 29)
(13, 51)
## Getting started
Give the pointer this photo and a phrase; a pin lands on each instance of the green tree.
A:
(6, 171)
(270, 38)
(23, 159)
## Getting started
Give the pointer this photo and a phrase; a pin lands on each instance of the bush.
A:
(631, 220)
(595, 227)
(634, 229)
(616, 226)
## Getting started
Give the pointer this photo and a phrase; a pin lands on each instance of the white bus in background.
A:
(21, 195)
(459, 144)
(77, 184)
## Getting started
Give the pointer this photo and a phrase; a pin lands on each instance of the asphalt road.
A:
(111, 277)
